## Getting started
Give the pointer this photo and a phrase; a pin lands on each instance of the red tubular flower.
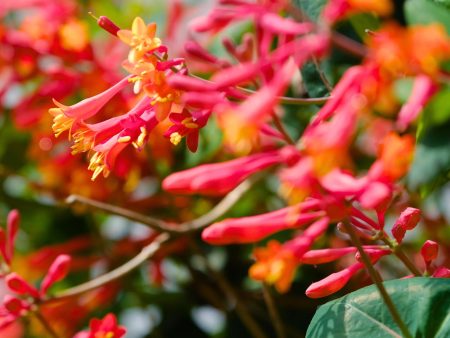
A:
(279, 25)
(254, 228)
(441, 272)
(302, 243)
(339, 9)
(374, 253)
(188, 83)
(106, 327)
(423, 89)
(109, 26)
(68, 117)
(12, 226)
(18, 285)
(333, 282)
(7, 239)
(15, 306)
(326, 255)
(219, 178)
(57, 271)
(429, 251)
(187, 124)
(108, 138)
(370, 192)
(348, 85)
(407, 221)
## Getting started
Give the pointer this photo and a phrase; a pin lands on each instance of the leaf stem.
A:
(374, 275)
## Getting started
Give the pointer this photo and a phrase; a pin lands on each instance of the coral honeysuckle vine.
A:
(333, 146)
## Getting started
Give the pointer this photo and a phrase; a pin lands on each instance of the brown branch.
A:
(160, 225)
(280, 127)
(146, 252)
(322, 76)
(226, 287)
(45, 324)
(273, 312)
(157, 224)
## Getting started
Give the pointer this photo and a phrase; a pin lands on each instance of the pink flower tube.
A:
(254, 228)
(220, 178)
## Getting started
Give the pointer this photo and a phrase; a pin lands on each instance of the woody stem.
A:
(279, 125)
(240, 308)
(376, 279)
(273, 311)
(46, 324)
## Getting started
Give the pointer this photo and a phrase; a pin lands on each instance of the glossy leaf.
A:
(422, 302)
(431, 159)
(424, 12)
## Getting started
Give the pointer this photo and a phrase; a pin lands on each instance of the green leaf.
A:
(445, 3)
(423, 12)
(431, 161)
(437, 111)
(311, 8)
(311, 78)
(423, 304)
(403, 88)
(363, 22)
(210, 141)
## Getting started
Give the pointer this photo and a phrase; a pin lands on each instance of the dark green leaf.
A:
(437, 111)
(445, 3)
(423, 303)
(403, 88)
(210, 141)
(311, 8)
(363, 22)
(431, 159)
(424, 12)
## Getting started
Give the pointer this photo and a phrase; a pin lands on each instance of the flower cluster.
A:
(318, 177)
(26, 295)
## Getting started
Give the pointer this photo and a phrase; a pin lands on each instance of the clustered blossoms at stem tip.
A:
(317, 176)
(26, 294)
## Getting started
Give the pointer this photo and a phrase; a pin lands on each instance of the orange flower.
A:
(396, 153)
(74, 35)
(274, 266)
(141, 38)
(409, 51)
(339, 9)
(430, 45)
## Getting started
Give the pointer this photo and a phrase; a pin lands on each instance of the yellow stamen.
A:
(61, 122)
(141, 138)
(175, 138)
(124, 139)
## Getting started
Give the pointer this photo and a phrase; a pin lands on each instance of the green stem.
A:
(401, 255)
(374, 275)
